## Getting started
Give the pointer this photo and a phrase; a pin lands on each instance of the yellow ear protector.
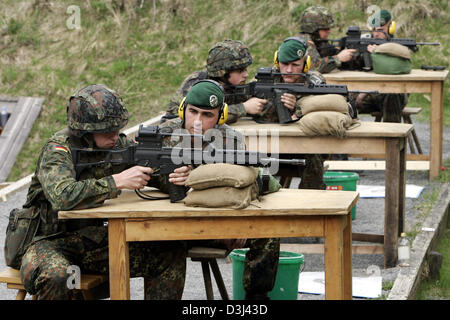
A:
(223, 111)
(391, 29)
(307, 64)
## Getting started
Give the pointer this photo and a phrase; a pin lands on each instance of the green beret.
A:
(291, 50)
(384, 16)
(205, 95)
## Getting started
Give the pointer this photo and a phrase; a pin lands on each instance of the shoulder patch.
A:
(57, 148)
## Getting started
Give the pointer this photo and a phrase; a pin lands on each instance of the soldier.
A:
(227, 64)
(204, 109)
(315, 27)
(292, 58)
(390, 105)
(95, 115)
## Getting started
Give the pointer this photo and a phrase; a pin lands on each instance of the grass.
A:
(144, 50)
(438, 289)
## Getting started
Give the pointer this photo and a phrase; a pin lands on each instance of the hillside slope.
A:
(145, 48)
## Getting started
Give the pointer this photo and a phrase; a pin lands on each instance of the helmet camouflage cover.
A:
(315, 18)
(96, 109)
(227, 56)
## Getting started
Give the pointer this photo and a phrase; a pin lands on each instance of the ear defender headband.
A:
(307, 64)
(223, 110)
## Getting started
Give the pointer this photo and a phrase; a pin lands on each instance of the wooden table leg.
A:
(334, 258)
(394, 198)
(119, 263)
(348, 257)
(436, 119)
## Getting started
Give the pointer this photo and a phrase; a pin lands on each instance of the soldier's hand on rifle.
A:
(133, 178)
(360, 98)
(289, 100)
(179, 175)
(371, 47)
(346, 55)
(254, 105)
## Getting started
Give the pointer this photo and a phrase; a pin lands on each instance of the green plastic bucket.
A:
(286, 282)
(336, 180)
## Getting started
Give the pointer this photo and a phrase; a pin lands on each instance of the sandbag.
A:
(228, 197)
(323, 123)
(394, 49)
(221, 175)
(386, 64)
(323, 102)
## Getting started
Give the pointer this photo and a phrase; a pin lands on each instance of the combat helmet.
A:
(96, 109)
(315, 18)
(227, 56)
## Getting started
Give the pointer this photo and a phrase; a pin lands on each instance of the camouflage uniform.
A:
(61, 243)
(312, 173)
(235, 103)
(223, 57)
(261, 261)
(313, 19)
(389, 104)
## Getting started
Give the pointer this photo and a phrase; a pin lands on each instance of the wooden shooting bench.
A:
(287, 213)
(418, 81)
(373, 138)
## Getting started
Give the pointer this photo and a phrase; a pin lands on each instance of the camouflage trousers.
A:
(390, 105)
(45, 264)
(260, 264)
(311, 174)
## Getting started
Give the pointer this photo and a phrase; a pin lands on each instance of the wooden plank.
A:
(436, 129)
(15, 187)
(322, 144)
(410, 157)
(16, 131)
(367, 129)
(284, 202)
(334, 263)
(223, 228)
(392, 203)
(416, 75)
(368, 237)
(319, 248)
(372, 165)
(119, 263)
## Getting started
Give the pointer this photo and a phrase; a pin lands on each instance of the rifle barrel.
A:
(364, 91)
(428, 43)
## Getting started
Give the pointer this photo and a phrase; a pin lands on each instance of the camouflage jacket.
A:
(235, 104)
(269, 113)
(54, 186)
(318, 63)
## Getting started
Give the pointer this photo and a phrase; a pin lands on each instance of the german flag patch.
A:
(57, 148)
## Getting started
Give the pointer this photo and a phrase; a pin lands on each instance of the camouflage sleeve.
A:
(323, 65)
(235, 111)
(56, 174)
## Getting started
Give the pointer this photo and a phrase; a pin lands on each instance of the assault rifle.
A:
(362, 61)
(267, 88)
(149, 151)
